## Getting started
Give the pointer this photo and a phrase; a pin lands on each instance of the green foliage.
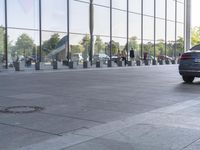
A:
(1, 40)
(85, 42)
(51, 43)
(24, 45)
(99, 45)
(133, 44)
(195, 36)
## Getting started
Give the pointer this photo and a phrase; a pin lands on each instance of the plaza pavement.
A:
(129, 108)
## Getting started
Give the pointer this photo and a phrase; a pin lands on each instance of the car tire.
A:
(188, 79)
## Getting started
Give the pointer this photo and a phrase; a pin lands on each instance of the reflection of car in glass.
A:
(101, 57)
(77, 57)
(189, 64)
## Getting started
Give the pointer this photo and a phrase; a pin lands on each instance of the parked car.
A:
(77, 57)
(101, 57)
(189, 64)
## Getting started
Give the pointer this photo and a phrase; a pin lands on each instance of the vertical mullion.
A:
(110, 28)
(142, 29)
(6, 35)
(175, 48)
(165, 28)
(40, 30)
(68, 31)
(154, 29)
(127, 28)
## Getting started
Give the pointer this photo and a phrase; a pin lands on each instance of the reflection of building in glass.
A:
(35, 28)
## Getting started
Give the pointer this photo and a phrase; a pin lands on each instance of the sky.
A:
(195, 13)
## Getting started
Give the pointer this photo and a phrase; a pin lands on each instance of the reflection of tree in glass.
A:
(51, 43)
(1, 40)
(24, 45)
(195, 36)
(115, 48)
(99, 46)
(160, 47)
(85, 43)
(133, 44)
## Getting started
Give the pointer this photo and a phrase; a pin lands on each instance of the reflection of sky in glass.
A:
(160, 28)
(2, 13)
(79, 17)
(23, 13)
(102, 2)
(160, 8)
(171, 9)
(121, 4)
(135, 25)
(148, 28)
(135, 6)
(180, 12)
(148, 7)
(54, 15)
(170, 31)
(119, 24)
(180, 28)
(101, 21)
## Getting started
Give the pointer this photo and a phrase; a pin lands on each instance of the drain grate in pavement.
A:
(20, 109)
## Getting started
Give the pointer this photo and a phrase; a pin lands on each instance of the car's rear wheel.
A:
(188, 79)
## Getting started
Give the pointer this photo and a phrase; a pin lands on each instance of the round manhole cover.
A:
(20, 109)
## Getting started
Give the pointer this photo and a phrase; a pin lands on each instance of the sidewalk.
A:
(136, 108)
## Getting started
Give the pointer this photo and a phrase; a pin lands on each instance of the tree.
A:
(160, 47)
(195, 36)
(179, 45)
(51, 43)
(24, 45)
(133, 44)
(1, 40)
(85, 42)
(99, 45)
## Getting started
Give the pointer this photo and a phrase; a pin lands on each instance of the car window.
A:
(196, 47)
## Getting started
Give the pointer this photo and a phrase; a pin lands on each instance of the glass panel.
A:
(160, 29)
(180, 38)
(148, 50)
(118, 47)
(160, 48)
(148, 7)
(135, 6)
(160, 8)
(134, 44)
(2, 13)
(170, 31)
(171, 9)
(22, 47)
(79, 18)
(54, 15)
(170, 50)
(27, 10)
(119, 23)
(180, 12)
(134, 25)
(120, 4)
(2, 50)
(102, 2)
(53, 47)
(101, 21)
(79, 45)
(148, 28)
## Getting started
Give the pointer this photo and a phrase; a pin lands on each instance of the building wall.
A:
(155, 27)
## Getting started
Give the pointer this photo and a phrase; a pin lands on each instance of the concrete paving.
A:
(130, 108)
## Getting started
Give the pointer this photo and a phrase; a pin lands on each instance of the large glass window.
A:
(148, 28)
(22, 47)
(79, 18)
(160, 8)
(170, 38)
(148, 7)
(135, 6)
(120, 4)
(171, 10)
(102, 2)
(180, 38)
(26, 10)
(101, 20)
(160, 37)
(2, 13)
(180, 12)
(119, 24)
(54, 15)
(134, 25)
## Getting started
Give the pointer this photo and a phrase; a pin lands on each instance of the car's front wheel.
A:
(188, 79)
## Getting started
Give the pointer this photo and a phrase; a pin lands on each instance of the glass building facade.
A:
(46, 30)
